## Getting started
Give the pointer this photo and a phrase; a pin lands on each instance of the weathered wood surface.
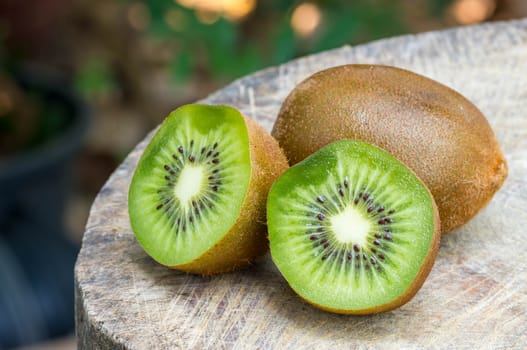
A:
(474, 298)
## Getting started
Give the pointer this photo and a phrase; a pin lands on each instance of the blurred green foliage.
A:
(223, 50)
(230, 49)
(265, 37)
(95, 77)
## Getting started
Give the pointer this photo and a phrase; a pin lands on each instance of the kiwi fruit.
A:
(198, 195)
(431, 128)
(352, 229)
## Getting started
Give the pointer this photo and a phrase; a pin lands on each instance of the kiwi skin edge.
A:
(434, 130)
(247, 238)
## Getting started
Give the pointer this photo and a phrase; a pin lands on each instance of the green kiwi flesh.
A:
(190, 183)
(352, 229)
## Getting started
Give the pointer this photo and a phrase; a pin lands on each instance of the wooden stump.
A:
(475, 296)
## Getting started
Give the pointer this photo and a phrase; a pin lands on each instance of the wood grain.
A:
(475, 296)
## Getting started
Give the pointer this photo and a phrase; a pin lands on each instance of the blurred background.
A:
(83, 81)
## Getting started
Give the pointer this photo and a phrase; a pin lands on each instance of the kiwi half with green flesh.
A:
(352, 229)
(431, 128)
(197, 198)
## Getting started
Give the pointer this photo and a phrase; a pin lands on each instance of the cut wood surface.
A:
(474, 298)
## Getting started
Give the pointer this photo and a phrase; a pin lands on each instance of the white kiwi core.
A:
(350, 226)
(189, 184)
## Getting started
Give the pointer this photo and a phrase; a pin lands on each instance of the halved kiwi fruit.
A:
(434, 130)
(197, 198)
(352, 229)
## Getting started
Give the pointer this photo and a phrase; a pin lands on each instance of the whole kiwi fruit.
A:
(198, 195)
(431, 128)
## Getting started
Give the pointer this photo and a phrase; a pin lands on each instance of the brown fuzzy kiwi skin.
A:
(247, 238)
(433, 129)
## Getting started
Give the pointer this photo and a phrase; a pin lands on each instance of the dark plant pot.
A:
(36, 258)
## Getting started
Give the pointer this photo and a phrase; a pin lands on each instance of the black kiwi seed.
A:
(321, 217)
(191, 143)
(209, 153)
(320, 199)
(215, 145)
(356, 247)
(215, 160)
(341, 192)
(191, 158)
(377, 242)
(346, 182)
(180, 149)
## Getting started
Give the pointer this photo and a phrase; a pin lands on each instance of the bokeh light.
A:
(306, 19)
(234, 10)
(472, 11)
(207, 17)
